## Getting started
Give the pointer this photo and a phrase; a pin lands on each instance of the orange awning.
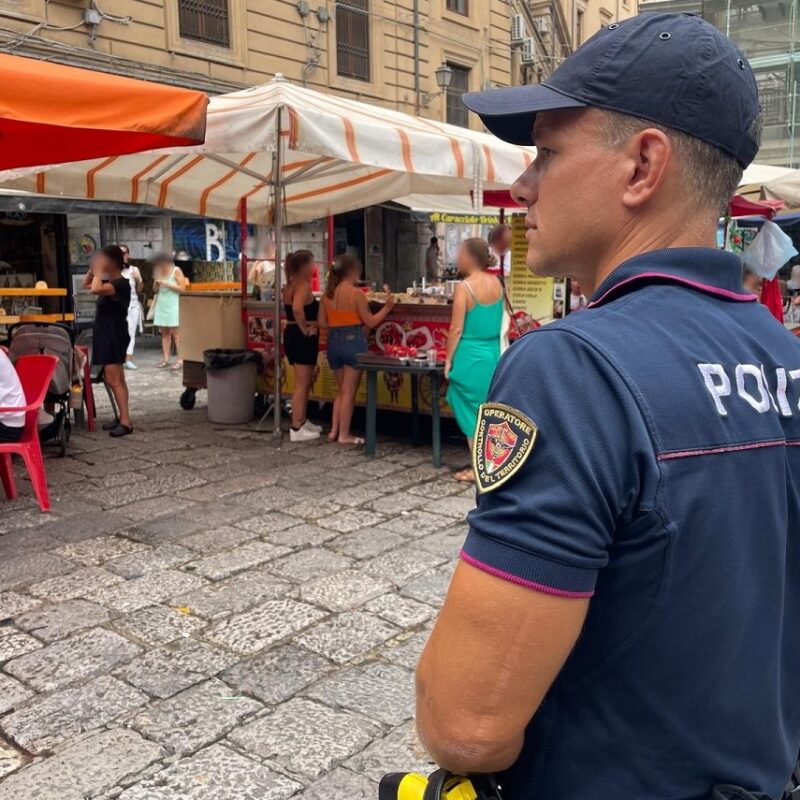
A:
(51, 114)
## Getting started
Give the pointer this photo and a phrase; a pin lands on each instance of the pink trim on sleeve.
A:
(703, 287)
(733, 448)
(507, 576)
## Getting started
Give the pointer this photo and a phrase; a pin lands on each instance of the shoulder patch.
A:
(504, 438)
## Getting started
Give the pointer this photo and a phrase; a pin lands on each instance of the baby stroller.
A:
(42, 338)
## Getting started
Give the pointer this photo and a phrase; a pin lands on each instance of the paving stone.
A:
(447, 543)
(152, 560)
(455, 506)
(60, 716)
(268, 522)
(343, 591)
(347, 636)
(234, 595)
(366, 543)
(222, 565)
(397, 503)
(12, 603)
(304, 535)
(304, 737)
(253, 630)
(93, 764)
(224, 538)
(402, 611)
(172, 668)
(14, 643)
(400, 566)
(12, 694)
(153, 587)
(377, 467)
(383, 692)
(309, 564)
(406, 652)
(351, 520)
(341, 784)
(417, 523)
(52, 623)
(273, 498)
(31, 568)
(94, 652)
(144, 510)
(194, 718)
(437, 489)
(156, 625)
(430, 587)
(400, 748)
(360, 494)
(79, 527)
(277, 674)
(10, 760)
(96, 551)
(79, 583)
(216, 773)
(313, 508)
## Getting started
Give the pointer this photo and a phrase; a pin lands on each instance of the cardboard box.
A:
(210, 320)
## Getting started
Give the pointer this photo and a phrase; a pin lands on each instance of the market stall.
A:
(280, 154)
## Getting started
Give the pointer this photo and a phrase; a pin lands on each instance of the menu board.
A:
(531, 297)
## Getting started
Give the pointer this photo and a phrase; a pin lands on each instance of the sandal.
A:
(162, 365)
(121, 430)
(109, 426)
(177, 366)
(465, 475)
(356, 440)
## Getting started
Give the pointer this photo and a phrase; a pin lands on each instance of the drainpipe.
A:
(416, 59)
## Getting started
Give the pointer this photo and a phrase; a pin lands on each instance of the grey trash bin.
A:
(231, 383)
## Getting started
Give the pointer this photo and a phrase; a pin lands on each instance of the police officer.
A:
(624, 620)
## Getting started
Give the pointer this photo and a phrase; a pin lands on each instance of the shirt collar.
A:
(700, 268)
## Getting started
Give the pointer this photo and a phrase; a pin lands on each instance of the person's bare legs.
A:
(175, 338)
(352, 377)
(339, 375)
(466, 475)
(115, 379)
(303, 378)
(166, 345)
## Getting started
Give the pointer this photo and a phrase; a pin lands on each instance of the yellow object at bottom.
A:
(412, 786)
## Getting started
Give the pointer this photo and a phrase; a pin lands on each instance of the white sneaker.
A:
(303, 435)
(310, 426)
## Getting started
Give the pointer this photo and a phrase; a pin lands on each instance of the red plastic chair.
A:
(35, 374)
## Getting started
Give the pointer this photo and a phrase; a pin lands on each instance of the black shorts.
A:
(300, 349)
(10, 433)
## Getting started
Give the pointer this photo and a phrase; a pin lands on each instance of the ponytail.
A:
(340, 269)
(295, 262)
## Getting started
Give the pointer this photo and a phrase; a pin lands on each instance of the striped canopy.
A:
(336, 155)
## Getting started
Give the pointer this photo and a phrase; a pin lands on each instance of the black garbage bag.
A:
(225, 359)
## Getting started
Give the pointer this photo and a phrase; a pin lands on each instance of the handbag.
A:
(151, 312)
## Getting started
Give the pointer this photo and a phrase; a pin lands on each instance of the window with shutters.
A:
(457, 113)
(205, 20)
(352, 39)
(458, 6)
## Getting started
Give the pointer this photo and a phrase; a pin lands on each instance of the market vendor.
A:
(12, 423)
(622, 622)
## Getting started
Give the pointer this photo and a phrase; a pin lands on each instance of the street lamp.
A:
(444, 75)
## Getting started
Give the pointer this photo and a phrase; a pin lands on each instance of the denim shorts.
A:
(344, 345)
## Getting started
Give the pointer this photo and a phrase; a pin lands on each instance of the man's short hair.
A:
(710, 175)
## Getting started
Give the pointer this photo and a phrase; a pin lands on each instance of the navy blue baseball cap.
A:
(672, 69)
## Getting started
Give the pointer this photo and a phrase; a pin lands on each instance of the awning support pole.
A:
(277, 188)
(243, 249)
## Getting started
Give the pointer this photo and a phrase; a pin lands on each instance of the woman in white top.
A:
(12, 424)
(135, 316)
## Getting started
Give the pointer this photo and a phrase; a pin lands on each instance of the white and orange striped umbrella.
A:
(336, 155)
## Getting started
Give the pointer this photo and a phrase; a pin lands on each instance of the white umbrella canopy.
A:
(786, 188)
(336, 155)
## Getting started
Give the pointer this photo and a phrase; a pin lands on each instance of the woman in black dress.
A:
(301, 339)
(110, 336)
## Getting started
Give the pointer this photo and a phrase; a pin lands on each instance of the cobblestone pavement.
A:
(207, 616)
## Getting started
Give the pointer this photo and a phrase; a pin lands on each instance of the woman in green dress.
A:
(473, 344)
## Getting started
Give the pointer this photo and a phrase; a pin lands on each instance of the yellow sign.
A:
(526, 292)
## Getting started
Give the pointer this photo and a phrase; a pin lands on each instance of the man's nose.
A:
(524, 190)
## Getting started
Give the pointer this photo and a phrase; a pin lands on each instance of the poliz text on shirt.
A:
(751, 383)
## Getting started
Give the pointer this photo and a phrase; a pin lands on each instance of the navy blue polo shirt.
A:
(645, 452)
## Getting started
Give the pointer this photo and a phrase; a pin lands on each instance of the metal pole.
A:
(243, 247)
(417, 103)
(277, 188)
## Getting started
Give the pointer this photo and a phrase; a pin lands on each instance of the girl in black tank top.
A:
(301, 339)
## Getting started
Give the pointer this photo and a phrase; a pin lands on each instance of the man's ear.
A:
(650, 153)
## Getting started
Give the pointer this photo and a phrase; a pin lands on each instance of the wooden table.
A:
(11, 319)
(372, 366)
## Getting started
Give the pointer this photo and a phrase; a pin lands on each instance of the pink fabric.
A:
(734, 448)
(772, 299)
(743, 298)
(507, 576)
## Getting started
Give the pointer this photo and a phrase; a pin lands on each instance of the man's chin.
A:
(539, 266)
